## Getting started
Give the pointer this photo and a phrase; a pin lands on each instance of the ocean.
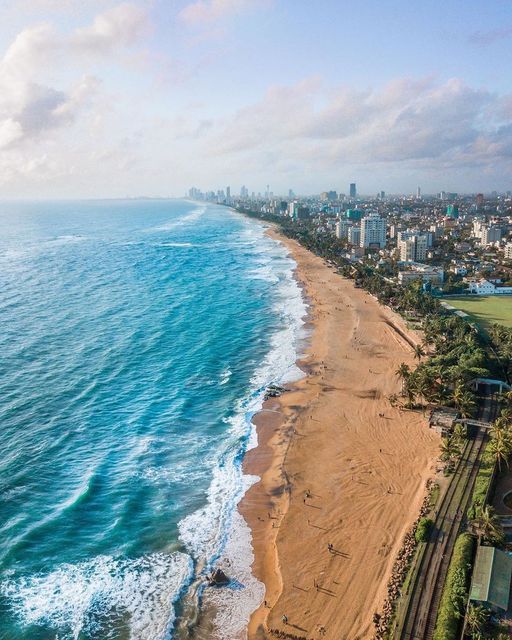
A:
(137, 341)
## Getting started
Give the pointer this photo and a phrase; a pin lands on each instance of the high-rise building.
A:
(418, 193)
(373, 231)
(353, 190)
(244, 192)
(354, 235)
(342, 226)
(412, 246)
(490, 234)
(452, 211)
(228, 193)
(290, 193)
(354, 214)
(479, 200)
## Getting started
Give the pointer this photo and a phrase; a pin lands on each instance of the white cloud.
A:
(29, 108)
(119, 27)
(208, 11)
(407, 120)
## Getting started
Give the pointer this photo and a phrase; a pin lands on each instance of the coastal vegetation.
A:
(423, 529)
(455, 591)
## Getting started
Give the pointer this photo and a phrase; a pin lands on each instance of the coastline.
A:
(333, 469)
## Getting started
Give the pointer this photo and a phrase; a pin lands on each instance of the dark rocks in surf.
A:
(274, 391)
(218, 578)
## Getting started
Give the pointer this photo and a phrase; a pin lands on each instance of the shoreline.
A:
(324, 477)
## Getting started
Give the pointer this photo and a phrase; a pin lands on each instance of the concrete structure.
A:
(342, 228)
(423, 272)
(492, 575)
(353, 190)
(354, 235)
(412, 246)
(443, 420)
(490, 234)
(373, 231)
(508, 251)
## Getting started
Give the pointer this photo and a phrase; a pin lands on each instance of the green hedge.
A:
(483, 480)
(455, 590)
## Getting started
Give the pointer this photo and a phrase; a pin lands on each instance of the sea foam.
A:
(83, 598)
(217, 532)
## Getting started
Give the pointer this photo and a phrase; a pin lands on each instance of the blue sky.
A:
(103, 98)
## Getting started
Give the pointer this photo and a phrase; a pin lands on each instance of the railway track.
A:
(419, 619)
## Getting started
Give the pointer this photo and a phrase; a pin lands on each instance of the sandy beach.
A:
(338, 466)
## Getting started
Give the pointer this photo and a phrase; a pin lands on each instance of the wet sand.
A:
(338, 466)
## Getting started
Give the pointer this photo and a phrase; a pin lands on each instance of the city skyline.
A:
(110, 99)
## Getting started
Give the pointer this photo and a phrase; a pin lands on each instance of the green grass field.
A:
(485, 309)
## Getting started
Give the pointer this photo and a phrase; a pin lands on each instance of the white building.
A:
(342, 226)
(412, 246)
(483, 287)
(490, 234)
(354, 235)
(424, 272)
(373, 231)
(508, 251)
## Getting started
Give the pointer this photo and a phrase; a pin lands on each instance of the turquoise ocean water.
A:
(137, 338)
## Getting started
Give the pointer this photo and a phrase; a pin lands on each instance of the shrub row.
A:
(455, 591)
(483, 480)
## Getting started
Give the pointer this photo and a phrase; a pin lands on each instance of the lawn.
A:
(485, 309)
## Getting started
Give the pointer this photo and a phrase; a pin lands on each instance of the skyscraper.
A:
(228, 193)
(373, 231)
(418, 193)
(353, 191)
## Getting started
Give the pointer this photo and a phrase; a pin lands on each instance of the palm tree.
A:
(393, 400)
(450, 450)
(506, 414)
(460, 432)
(486, 525)
(458, 393)
(501, 447)
(403, 372)
(498, 427)
(476, 618)
(467, 404)
(418, 352)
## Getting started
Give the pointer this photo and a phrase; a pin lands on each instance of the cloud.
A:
(486, 38)
(119, 27)
(405, 121)
(29, 108)
(208, 11)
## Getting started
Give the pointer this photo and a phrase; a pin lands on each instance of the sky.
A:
(102, 98)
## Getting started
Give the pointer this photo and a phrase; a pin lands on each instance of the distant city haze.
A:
(147, 98)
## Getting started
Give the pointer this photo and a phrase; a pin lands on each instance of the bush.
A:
(483, 480)
(423, 530)
(455, 592)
